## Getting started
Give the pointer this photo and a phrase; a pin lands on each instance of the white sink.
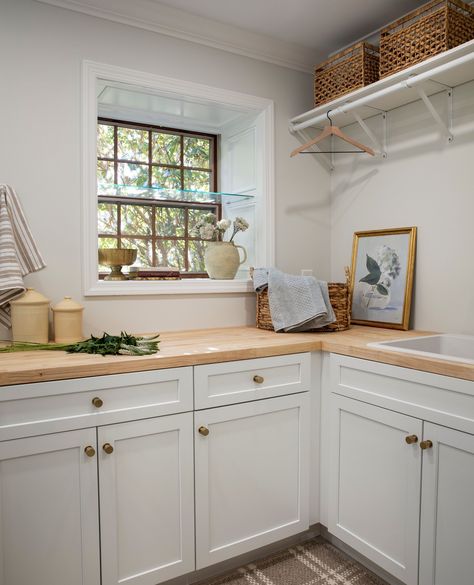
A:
(446, 346)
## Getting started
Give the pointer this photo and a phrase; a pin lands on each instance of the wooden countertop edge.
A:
(420, 363)
(159, 362)
(210, 346)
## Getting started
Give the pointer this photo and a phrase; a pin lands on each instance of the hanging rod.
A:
(409, 83)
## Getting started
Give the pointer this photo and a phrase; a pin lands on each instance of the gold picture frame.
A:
(383, 263)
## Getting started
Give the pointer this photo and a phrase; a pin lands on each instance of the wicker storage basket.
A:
(346, 71)
(435, 27)
(341, 301)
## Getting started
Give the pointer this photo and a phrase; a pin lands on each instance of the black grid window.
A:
(150, 156)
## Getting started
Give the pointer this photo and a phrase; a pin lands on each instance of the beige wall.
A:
(41, 50)
(427, 183)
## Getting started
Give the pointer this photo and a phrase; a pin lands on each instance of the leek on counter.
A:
(123, 344)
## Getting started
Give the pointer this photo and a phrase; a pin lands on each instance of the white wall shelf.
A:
(440, 73)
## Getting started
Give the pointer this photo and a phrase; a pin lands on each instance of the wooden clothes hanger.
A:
(332, 130)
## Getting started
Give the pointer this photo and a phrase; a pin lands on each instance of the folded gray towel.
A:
(297, 303)
(260, 279)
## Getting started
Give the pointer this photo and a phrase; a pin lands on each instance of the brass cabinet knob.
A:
(426, 445)
(204, 431)
(411, 439)
(89, 451)
(107, 447)
(258, 379)
(97, 402)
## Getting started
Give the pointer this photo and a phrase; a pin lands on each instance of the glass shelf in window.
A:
(161, 194)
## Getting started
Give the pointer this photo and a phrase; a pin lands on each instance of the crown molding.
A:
(153, 16)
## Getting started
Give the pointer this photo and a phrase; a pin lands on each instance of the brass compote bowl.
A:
(116, 258)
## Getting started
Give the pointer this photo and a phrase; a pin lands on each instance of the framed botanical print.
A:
(382, 277)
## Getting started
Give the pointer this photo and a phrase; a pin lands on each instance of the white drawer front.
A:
(440, 399)
(54, 406)
(241, 381)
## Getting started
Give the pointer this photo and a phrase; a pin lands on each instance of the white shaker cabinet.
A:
(394, 502)
(251, 473)
(374, 484)
(146, 500)
(49, 510)
(447, 508)
(101, 478)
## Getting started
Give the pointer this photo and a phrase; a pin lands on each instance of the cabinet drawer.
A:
(439, 399)
(54, 406)
(241, 381)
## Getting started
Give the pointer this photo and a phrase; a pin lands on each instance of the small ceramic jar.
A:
(30, 317)
(67, 320)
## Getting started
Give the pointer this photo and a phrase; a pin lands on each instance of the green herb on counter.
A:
(123, 344)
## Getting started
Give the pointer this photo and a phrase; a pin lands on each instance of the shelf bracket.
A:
(380, 147)
(446, 129)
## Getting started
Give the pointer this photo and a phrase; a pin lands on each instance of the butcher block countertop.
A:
(206, 346)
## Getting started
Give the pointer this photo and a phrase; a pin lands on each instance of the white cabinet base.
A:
(447, 511)
(122, 512)
(49, 511)
(374, 485)
(251, 476)
(146, 500)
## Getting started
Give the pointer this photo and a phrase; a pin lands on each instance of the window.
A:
(111, 93)
(150, 156)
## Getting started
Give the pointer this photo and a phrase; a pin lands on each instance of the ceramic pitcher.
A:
(222, 260)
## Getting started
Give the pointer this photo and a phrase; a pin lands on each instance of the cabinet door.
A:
(49, 510)
(374, 484)
(146, 500)
(252, 475)
(447, 510)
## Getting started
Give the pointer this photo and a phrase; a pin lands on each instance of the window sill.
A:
(191, 286)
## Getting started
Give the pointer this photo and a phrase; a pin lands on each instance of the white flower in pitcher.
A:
(240, 224)
(224, 224)
(207, 231)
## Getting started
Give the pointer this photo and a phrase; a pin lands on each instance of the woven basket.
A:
(435, 27)
(339, 295)
(346, 71)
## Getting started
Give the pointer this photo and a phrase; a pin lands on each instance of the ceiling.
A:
(322, 25)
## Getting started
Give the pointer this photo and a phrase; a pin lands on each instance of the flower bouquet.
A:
(222, 257)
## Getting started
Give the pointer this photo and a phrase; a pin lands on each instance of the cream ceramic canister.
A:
(30, 317)
(67, 321)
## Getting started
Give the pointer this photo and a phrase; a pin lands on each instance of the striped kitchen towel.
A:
(19, 254)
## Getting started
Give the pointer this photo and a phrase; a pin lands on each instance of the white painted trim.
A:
(265, 245)
(173, 287)
(143, 117)
(170, 21)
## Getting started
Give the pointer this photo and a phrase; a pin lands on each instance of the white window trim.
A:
(91, 73)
